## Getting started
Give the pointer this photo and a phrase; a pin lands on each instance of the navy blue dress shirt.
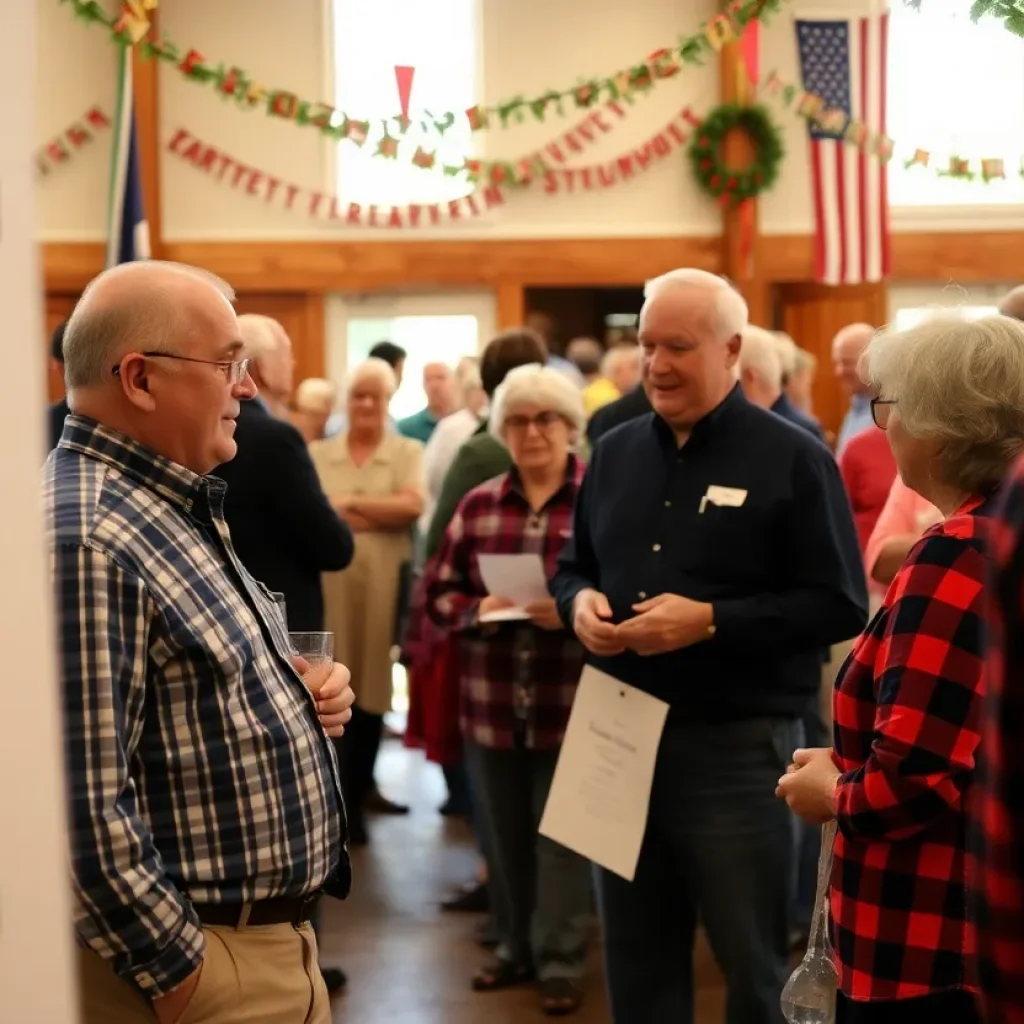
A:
(783, 407)
(782, 570)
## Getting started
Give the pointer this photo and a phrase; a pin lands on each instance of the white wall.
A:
(35, 918)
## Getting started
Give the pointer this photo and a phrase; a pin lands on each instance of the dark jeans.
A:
(357, 755)
(957, 1007)
(719, 847)
(809, 836)
(542, 888)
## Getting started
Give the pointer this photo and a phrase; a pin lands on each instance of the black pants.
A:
(357, 754)
(956, 1007)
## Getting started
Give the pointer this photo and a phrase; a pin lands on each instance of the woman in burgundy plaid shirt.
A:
(518, 680)
(908, 700)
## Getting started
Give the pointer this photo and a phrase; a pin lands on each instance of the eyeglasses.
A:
(233, 369)
(543, 421)
(880, 410)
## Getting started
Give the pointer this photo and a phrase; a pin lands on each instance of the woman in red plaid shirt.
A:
(518, 680)
(908, 699)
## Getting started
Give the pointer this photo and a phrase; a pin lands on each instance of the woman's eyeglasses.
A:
(543, 421)
(880, 410)
(233, 369)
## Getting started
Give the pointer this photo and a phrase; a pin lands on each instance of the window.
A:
(426, 339)
(911, 317)
(439, 40)
(955, 89)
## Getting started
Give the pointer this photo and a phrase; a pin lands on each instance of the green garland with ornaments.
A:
(736, 184)
(1011, 12)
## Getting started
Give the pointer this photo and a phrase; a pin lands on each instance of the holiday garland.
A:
(131, 27)
(735, 184)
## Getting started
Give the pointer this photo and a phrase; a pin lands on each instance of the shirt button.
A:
(668, 504)
(656, 547)
(642, 595)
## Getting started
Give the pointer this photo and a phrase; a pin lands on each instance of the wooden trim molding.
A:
(146, 96)
(356, 267)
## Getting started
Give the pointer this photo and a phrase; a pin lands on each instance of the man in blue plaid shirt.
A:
(206, 817)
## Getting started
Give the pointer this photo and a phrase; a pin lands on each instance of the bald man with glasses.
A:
(205, 810)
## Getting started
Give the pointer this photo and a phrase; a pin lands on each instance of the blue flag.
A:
(127, 228)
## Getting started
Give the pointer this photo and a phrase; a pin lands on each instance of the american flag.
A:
(842, 60)
(127, 227)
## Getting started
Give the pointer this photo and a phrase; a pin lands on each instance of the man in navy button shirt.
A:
(713, 556)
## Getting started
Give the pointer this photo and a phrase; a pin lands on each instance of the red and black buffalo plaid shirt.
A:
(515, 677)
(907, 711)
(998, 801)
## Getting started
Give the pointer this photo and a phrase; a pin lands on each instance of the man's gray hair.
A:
(759, 352)
(261, 335)
(730, 307)
(545, 386)
(147, 318)
(960, 382)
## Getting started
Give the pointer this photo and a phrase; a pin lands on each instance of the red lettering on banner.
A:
(471, 203)
(598, 123)
(493, 196)
(314, 203)
(550, 182)
(56, 152)
(414, 215)
(272, 187)
(395, 220)
(677, 133)
(176, 139)
(192, 153)
(660, 145)
(355, 214)
(585, 130)
(98, 119)
(454, 212)
(293, 191)
(556, 153)
(643, 156)
(606, 175)
(435, 213)
(585, 174)
(208, 160)
(240, 172)
(625, 165)
(78, 136)
(572, 142)
(225, 163)
(255, 179)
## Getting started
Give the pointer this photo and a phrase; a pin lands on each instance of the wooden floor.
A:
(409, 963)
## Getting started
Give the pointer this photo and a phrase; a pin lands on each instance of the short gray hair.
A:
(759, 352)
(788, 354)
(316, 395)
(730, 307)
(959, 382)
(619, 355)
(260, 334)
(373, 369)
(534, 384)
(148, 317)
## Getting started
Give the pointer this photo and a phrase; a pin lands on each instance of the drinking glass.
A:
(317, 650)
(810, 994)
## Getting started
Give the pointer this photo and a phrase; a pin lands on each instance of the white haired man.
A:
(847, 348)
(761, 375)
(272, 364)
(713, 556)
(206, 816)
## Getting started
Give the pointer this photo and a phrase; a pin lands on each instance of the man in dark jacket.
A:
(56, 413)
(282, 525)
(631, 405)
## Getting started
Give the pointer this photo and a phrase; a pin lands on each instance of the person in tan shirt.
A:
(374, 479)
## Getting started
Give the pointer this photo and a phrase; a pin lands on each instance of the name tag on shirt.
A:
(601, 790)
(723, 497)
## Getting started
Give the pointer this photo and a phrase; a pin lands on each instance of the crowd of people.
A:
(836, 642)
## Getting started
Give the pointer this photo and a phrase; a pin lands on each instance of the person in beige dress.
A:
(374, 478)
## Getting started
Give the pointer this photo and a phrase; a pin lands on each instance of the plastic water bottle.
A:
(810, 994)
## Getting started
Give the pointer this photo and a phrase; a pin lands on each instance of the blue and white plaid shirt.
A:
(196, 763)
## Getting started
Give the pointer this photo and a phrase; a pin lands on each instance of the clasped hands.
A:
(664, 623)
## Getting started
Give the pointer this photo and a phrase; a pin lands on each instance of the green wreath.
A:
(734, 183)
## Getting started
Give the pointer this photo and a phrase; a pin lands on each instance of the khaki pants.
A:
(263, 975)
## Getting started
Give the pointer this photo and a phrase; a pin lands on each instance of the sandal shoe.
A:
(559, 997)
(501, 974)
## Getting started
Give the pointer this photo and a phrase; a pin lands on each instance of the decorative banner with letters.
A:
(62, 148)
(325, 207)
(131, 27)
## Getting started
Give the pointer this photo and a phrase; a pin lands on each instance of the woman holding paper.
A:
(518, 679)
(950, 396)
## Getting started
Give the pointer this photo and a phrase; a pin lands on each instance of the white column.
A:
(36, 983)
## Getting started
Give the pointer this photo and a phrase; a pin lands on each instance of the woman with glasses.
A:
(950, 396)
(518, 680)
(374, 479)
